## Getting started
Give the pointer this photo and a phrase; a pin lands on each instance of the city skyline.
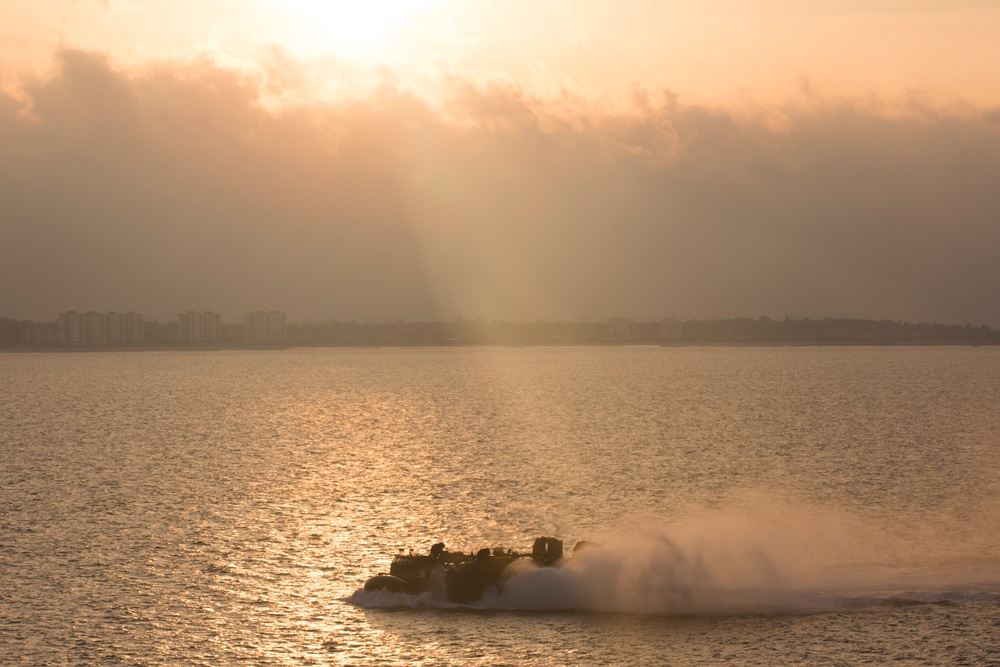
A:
(231, 319)
(112, 330)
(93, 327)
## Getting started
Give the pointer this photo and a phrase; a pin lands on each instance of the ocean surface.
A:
(751, 506)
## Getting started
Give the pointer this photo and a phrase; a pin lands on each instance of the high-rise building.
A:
(100, 328)
(276, 330)
(132, 327)
(203, 327)
(71, 323)
(113, 327)
(93, 327)
(264, 327)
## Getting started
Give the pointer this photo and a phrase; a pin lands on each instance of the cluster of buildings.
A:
(199, 327)
(207, 327)
(264, 327)
(93, 328)
(270, 329)
(88, 328)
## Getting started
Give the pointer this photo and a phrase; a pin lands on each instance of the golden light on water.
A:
(227, 507)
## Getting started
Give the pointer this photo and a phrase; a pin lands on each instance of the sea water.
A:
(748, 506)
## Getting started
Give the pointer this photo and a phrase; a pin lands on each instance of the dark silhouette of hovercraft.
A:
(459, 577)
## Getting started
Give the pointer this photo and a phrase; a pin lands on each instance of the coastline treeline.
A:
(744, 330)
(618, 331)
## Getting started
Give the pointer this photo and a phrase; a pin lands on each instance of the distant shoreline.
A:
(26, 349)
(669, 332)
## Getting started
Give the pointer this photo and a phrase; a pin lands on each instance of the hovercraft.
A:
(460, 577)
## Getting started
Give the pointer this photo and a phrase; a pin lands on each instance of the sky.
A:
(554, 159)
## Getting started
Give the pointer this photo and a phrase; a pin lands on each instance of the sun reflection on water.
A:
(215, 515)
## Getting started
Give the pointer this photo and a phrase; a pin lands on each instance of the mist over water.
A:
(752, 506)
(760, 554)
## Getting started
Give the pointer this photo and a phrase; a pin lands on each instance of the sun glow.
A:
(355, 29)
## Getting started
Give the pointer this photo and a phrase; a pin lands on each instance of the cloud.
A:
(174, 186)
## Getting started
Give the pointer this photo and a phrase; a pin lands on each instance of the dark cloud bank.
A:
(173, 188)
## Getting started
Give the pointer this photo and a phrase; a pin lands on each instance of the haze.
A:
(557, 160)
